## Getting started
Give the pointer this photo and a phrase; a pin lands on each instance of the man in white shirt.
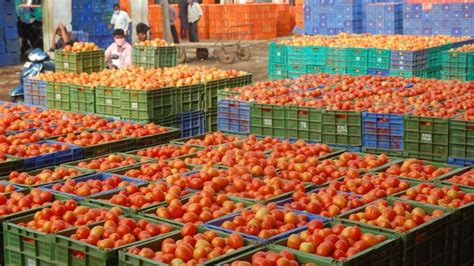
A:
(120, 19)
(194, 15)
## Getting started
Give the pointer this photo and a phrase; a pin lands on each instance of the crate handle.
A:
(266, 109)
(107, 91)
(81, 89)
(470, 127)
(134, 94)
(303, 112)
(383, 119)
(427, 124)
(233, 105)
(341, 116)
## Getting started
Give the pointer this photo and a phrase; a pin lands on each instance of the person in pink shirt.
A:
(121, 49)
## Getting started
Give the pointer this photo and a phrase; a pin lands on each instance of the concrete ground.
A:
(257, 65)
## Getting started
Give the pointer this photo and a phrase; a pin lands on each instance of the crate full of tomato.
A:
(81, 57)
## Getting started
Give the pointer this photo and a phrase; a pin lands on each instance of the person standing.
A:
(172, 26)
(142, 32)
(183, 17)
(120, 19)
(194, 15)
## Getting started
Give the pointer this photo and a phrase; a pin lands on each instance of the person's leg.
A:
(196, 31)
(175, 34)
(191, 32)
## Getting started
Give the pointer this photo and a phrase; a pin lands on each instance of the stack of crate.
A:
(9, 43)
(384, 18)
(93, 17)
(457, 65)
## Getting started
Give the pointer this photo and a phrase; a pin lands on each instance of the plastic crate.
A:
(461, 142)
(10, 164)
(378, 72)
(125, 144)
(310, 69)
(35, 92)
(99, 176)
(168, 121)
(144, 106)
(66, 248)
(234, 116)
(211, 120)
(192, 123)
(457, 76)
(211, 90)
(150, 57)
(190, 98)
(463, 219)
(216, 225)
(382, 131)
(58, 95)
(239, 81)
(315, 55)
(460, 161)
(342, 127)
(457, 60)
(277, 71)
(79, 62)
(394, 153)
(295, 71)
(82, 99)
(268, 120)
(108, 101)
(278, 53)
(426, 244)
(182, 141)
(357, 71)
(303, 123)
(426, 137)
(54, 158)
(156, 139)
(385, 253)
(335, 70)
(140, 160)
(357, 58)
(126, 258)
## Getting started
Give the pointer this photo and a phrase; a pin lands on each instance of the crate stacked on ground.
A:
(331, 18)
(35, 92)
(357, 55)
(80, 58)
(384, 18)
(461, 139)
(458, 63)
(154, 54)
(93, 17)
(9, 40)
(439, 18)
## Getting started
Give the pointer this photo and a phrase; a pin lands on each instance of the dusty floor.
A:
(257, 65)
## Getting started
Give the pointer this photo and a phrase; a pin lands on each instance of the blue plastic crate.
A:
(99, 176)
(382, 131)
(35, 92)
(192, 123)
(461, 161)
(13, 46)
(215, 225)
(11, 32)
(55, 158)
(3, 48)
(10, 18)
(9, 59)
(233, 116)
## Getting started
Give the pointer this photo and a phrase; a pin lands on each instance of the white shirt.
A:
(194, 12)
(124, 53)
(121, 21)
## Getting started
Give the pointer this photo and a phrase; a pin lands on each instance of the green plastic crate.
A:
(82, 99)
(278, 53)
(426, 137)
(156, 139)
(130, 259)
(461, 60)
(190, 98)
(276, 198)
(315, 55)
(150, 57)
(277, 71)
(101, 202)
(303, 123)
(457, 76)
(18, 258)
(211, 90)
(268, 120)
(335, 70)
(80, 62)
(11, 164)
(211, 120)
(463, 219)
(167, 121)
(383, 151)
(461, 139)
(407, 73)
(379, 58)
(426, 244)
(385, 253)
(239, 81)
(342, 127)
(183, 141)
(58, 95)
(337, 57)
(357, 71)
(142, 105)
(125, 144)
(225, 93)
(295, 71)
(67, 247)
(310, 69)
(108, 101)
(358, 58)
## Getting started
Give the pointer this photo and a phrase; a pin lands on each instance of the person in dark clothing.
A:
(142, 32)
(172, 26)
(65, 37)
(183, 16)
(194, 15)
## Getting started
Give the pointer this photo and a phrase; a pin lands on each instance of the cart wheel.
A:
(181, 55)
(243, 53)
(202, 53)
(226, 57)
